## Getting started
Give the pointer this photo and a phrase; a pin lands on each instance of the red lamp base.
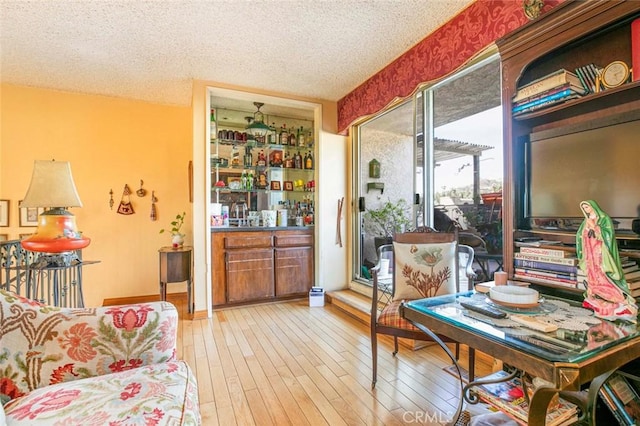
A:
(56, 233)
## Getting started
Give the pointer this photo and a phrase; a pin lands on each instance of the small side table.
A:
(176, 266)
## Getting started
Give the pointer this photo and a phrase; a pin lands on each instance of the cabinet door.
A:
(294, 270)
(249, 275)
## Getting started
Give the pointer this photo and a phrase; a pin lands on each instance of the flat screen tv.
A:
(602, 164)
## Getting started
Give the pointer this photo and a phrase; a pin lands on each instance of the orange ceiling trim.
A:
(437, 55)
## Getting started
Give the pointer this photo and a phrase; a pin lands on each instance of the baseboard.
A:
(130, 300)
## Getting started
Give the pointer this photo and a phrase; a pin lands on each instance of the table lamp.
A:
(52, 187)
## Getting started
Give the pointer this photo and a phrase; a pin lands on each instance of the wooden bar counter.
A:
(257, 264)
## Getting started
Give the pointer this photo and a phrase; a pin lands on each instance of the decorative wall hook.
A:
(141, 192)
(154, 214)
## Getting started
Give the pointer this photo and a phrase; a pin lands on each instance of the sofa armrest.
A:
(42, 345)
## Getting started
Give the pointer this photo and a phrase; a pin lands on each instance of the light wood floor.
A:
(287, 363)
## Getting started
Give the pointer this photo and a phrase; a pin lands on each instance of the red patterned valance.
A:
(440, 53)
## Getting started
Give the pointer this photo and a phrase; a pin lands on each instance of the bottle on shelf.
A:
(288, 161)
(213, 124)
(309, 140)
(297, 161)
(284, 135)
(308, 163)
(273, 136)
(235, 156)
(248, 157)
(262, 159)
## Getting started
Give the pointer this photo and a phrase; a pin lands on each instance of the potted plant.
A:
(382, 223)
(177, 238)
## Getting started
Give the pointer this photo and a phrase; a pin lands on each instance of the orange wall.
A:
(110, 142)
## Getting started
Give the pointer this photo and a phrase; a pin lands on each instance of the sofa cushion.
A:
(157, 394)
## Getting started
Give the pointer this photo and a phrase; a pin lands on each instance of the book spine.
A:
(546, 104)
(551, 97)
(547, 266)
(568, 261)
(544, 252)
(583, 80)
(545, 83)
(635, 49)
(546, 274)
(546, 280)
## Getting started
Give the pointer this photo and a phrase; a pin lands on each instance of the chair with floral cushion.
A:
(93, 366)
(424, 264)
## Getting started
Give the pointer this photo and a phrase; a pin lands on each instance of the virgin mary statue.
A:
(607, 290)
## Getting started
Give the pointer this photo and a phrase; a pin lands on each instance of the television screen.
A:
(601, 164)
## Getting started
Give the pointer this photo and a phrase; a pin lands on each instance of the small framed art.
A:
(29, 215)
(275, 185)
(4, 213)
(4, 237)
(288, 185)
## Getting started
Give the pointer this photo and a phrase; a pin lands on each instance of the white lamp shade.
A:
(51, 186)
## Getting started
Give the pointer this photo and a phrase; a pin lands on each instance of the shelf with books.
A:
(509, 397)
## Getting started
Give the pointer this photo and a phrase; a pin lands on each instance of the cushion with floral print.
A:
(43, 345)
(158, 394)
(423, 270)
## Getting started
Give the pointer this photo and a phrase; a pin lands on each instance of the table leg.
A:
(163, 291)
(189, 309)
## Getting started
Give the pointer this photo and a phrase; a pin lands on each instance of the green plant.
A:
(388, 219)
(176, 224)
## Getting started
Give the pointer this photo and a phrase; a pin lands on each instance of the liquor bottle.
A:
(288, 161)
(309, 140)
(284, 135)
(273, 136)
(248, 157)
(213, 124)
(308, 163)
(297, 161)
(243, 180)
(301, 137)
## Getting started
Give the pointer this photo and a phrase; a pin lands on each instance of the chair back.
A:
(425, 264)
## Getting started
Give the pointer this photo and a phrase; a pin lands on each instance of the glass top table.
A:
(568, 358)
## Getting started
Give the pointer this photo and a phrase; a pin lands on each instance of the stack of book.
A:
(588, 75)
(546, 266)
(509, 398)
(549, 90)
(631, 275)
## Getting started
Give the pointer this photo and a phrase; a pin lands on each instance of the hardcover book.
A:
(624, 397)
(568, 261)
(545, 266)
(555, 253)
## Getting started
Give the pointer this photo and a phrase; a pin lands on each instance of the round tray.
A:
(516, 305)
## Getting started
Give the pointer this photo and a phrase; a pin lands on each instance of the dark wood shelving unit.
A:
(573, 34)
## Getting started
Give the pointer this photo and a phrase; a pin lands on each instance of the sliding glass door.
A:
(437, 159)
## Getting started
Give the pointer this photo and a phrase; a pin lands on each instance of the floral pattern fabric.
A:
(116, 350)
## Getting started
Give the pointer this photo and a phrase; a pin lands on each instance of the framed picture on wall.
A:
(4, 237)
(275, 185)
(29, 215)
(4, 213)
(288, 185)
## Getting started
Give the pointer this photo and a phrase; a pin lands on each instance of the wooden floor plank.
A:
(289, 364)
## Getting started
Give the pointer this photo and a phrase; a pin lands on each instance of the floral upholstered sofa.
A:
(92, 366)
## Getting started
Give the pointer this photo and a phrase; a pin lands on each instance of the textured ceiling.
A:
(152, 50)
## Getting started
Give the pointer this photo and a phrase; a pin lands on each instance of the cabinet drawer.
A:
(247, 241)
(293, 240)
